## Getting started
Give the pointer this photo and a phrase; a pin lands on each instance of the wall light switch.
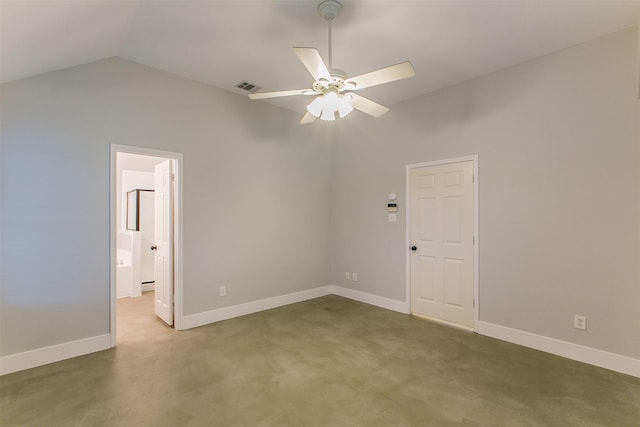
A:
(393, 217)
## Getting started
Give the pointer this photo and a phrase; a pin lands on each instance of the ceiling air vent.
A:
(249, 87)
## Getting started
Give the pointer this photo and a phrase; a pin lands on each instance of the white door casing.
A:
(441, 228)
(164, 241)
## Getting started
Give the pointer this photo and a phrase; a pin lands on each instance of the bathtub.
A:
(124, 273)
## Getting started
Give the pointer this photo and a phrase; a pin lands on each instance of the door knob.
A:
(154, 248)
(414, 248)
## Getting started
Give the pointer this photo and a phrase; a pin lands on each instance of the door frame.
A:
(476, 247)
(177, 232)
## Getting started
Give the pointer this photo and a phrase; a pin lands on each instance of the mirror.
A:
(133, 209)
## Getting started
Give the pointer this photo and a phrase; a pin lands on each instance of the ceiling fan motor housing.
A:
(337, 83)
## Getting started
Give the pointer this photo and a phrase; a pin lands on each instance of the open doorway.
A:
(145, 231)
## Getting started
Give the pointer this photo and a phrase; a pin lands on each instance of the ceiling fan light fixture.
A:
(316, 106)
(328, 115)
(327, 105)
(344, 106)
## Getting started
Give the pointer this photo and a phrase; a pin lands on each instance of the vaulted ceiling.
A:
(224, 42)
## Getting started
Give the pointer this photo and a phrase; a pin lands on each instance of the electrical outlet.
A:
(223, 291)
(346, 275)
(580, 322)
(354, 276)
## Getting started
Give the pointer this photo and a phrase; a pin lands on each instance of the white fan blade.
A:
(308, 118)
(367, 106)
(314, 63)
(282, 93)
(383, 75)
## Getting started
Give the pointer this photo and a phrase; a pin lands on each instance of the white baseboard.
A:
(199, 319)
(42, 356)
(389, 304)
(604, 359)
(615, 362)
(146, 287)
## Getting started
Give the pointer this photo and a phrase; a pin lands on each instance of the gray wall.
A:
(256, 192)
(558, 140)
(559, 145)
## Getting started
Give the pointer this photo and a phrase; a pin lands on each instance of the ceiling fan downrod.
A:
(329, 10)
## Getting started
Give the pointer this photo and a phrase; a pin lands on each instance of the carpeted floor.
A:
(324, 362)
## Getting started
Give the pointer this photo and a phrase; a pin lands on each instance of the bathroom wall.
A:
(134, 170)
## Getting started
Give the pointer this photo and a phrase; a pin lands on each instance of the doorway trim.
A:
(177, 230)
(476, 246)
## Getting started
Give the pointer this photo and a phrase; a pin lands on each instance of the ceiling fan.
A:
(334, 91)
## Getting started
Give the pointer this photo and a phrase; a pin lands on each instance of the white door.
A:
(148, 235)
(442, 238)
(164, 241)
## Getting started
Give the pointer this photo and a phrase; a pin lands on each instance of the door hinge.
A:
(473, 177)
(474, 240)
(173, 177)
(474, 303)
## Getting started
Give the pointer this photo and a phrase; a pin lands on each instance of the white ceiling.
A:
(224, 42)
